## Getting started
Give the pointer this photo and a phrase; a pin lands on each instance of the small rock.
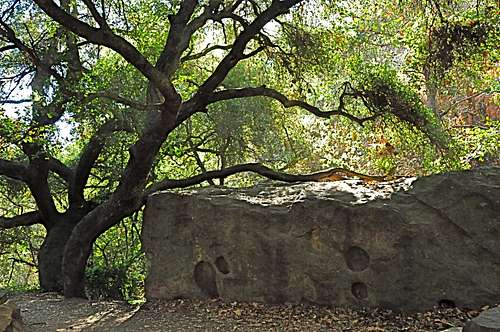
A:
(453, 329)
(487, 321)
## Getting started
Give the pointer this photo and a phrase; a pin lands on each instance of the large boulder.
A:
(410, 245)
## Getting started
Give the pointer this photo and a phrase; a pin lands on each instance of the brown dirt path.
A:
(51, 312)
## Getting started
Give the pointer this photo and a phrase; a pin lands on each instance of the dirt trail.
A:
(51, 312)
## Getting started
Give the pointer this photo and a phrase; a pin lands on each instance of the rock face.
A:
(487, 321)
(339, 243)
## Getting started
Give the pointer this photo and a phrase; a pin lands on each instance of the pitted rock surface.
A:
(409, 244)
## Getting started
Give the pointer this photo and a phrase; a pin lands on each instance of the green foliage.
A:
(116, 267)
(386, 93)
(479, 145)
(18, 258)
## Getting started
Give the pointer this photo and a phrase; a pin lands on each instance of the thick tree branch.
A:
(182, 29)
(237, 51)
(13, 170)
(60, 169)
(89, 157)
(96, 15)
(177, 39)
(7, 48)
(120, 45)
(287, 103)
(37, 181)
(26, 219)
(251, 167)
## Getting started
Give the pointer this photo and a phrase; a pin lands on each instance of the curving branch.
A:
(60, 169)
(13, 170)
(333, 174)
(113, 41)
(205, 52)
(90, 155)
(250, 167)
(283, 100)
(96, 15)
(26, 219)
(237, 51)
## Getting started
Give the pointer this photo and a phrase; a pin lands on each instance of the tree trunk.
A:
(126, 199)
(74, 262)
(50, 256)
(79, 245)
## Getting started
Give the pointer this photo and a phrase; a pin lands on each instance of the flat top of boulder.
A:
(278, 193)
(350, 191)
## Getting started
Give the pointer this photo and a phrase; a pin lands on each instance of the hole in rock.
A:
(357, 259)
(359, 290)
(222, 265)
(204, 276)
(446, 304)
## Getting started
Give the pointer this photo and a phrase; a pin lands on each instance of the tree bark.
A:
(79, 244)
(50, 256)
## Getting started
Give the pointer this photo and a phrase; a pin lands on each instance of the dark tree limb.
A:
(205, 52)
(26, 219)
(119, 44)
(13, 170)
(89, 157)
(60, 169)
(333, 174)
(37, 181)
(178, 38)
(287, 103)
(237, 51)
(223, 173)
(96, 15)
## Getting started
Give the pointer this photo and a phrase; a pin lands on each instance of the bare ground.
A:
(51, 312)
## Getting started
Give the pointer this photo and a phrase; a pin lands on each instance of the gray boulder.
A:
(487, 321)
(406, 245)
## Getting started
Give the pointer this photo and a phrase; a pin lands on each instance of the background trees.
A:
(105, 102)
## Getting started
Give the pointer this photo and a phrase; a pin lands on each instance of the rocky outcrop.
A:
(340, 243)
